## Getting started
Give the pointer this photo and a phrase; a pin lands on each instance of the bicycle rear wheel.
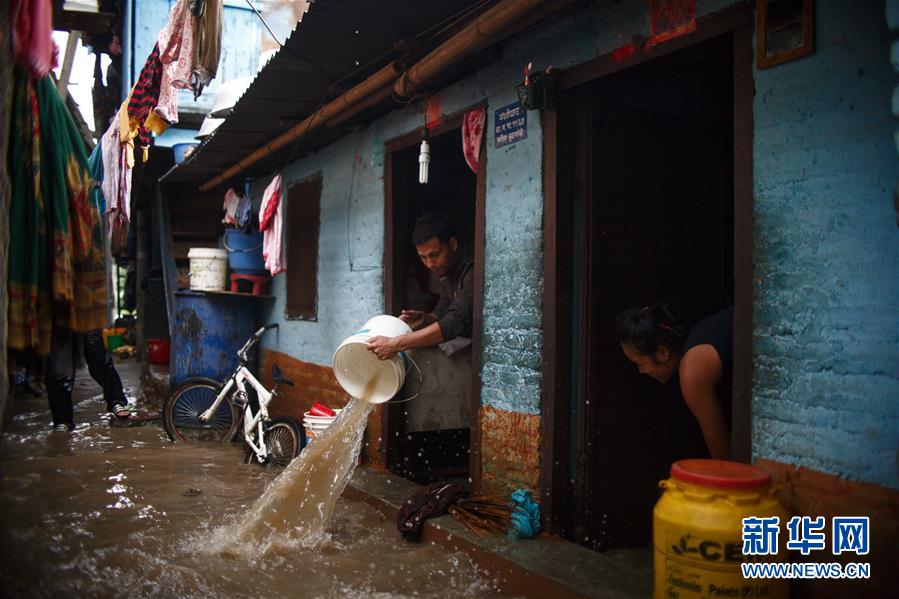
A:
(182, 409)
(283, 441)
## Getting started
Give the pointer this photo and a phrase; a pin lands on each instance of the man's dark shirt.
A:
(454, 309)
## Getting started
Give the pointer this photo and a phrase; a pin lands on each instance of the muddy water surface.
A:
(109, 512)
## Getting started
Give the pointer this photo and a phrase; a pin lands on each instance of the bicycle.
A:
(201, 409)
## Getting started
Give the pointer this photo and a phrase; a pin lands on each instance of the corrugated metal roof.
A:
(337, 45)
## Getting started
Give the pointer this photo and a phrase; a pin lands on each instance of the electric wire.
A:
(277, 41)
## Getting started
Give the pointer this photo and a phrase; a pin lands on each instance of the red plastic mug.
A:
(320, 409)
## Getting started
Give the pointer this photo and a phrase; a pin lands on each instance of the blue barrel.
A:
(244, 252)
(209, 329)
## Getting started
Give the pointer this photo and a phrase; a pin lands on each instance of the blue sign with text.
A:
(510, 125)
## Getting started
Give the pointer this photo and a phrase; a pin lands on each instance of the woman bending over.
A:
(659, 341)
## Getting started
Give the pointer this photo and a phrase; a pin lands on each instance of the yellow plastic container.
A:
(697, 531)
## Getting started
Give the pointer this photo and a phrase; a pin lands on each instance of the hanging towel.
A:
(472, 134)
(270, 223)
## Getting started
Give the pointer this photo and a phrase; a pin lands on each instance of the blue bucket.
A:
(244, 252)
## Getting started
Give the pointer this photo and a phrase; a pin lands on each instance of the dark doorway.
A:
(649, 155)
(424, 442)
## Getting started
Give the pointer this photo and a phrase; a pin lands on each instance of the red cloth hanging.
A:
(32, 36)
(472, 134)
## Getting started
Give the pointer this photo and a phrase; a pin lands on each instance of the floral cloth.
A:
(176, 54)
(57, 271)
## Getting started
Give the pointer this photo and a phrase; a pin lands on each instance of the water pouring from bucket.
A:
(355, 366)
(296, 507)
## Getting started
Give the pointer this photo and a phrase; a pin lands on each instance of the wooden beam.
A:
(62, 84)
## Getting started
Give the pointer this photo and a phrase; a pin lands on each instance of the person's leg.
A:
(60, 378)
(102, 369)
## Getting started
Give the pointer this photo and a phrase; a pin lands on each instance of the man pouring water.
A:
(442, 253)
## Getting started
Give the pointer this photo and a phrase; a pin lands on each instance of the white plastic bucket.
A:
(326, 420)
(356, 367)
(208, 269)
(315, 425)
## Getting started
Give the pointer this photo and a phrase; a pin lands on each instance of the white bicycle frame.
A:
(257, 422)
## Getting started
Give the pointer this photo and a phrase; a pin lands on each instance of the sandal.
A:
(121, 412)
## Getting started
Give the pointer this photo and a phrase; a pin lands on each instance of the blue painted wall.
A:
(826, 387)
(241, 31)
(826, 392)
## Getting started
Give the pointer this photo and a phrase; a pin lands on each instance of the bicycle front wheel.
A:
(283, 441)
(182, 409)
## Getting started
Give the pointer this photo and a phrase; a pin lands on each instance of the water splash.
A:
(297, 506)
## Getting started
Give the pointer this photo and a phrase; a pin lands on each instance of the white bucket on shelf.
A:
(208, 269)
(356, 367)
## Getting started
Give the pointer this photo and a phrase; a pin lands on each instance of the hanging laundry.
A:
(111, 151)
(244, 211)
(271, 225)
(95, 164)
(176, 54)
(32, 39)
(472, 134)
(30, 315)
(207, 44)
(116, 184)
(144, 97)
(232, 200)
(57, 270)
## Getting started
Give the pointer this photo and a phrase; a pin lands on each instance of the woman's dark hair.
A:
(648, 328)
(432, 225)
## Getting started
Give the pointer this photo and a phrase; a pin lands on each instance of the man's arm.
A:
(387, 347)
(700, 372)
(416, 319)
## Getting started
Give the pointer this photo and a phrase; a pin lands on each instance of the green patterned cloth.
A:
(57, 272)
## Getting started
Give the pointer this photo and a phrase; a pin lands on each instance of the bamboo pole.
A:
(497, 23)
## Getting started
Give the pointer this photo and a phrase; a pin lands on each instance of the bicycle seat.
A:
(279, 377)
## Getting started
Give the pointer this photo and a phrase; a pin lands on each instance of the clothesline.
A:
(185, 56)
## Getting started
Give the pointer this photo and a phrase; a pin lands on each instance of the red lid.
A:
(720, 474)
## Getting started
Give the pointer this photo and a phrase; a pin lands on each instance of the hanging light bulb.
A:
(424, 157)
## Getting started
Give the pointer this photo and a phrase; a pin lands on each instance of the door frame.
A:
(558, 502)
(389, 448)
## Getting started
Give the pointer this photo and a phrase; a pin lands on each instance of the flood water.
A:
(108, 512)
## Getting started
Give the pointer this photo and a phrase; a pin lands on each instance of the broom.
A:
(483, 514)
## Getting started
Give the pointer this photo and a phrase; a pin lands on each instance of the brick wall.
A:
(510, 451)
